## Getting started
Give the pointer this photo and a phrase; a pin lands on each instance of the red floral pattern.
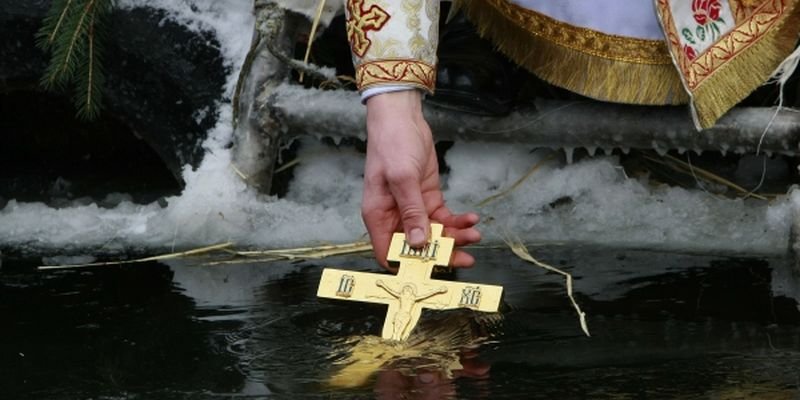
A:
(706, 11)
(690, 52)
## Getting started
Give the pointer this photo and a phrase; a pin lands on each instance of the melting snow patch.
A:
(593, 201)
(590, 201)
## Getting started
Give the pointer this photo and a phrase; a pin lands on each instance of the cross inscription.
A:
(361, 21)
(412, 289)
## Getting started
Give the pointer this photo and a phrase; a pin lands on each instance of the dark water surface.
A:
(663, 325)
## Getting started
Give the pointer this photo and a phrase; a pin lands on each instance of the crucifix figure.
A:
(411, 289)
(408, 298)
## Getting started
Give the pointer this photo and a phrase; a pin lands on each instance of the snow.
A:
(592, 201)
(587, 201)
(309, 8)
(231, 21)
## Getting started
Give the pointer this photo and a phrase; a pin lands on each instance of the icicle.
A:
(660, 150)
(591, 150)
(569, 152)
(681, 150)
(724, 149)
(768, 153)
(626, 150)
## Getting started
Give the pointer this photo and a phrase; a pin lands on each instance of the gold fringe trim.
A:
(594, 67)
(748, 70)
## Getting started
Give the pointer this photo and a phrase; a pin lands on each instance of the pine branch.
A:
(80, 31)
(90, 79)
(58, 12)
(58, 24)
(72, 32)
(89, 84)
(68, 44)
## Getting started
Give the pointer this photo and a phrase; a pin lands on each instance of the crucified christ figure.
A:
(408, 297)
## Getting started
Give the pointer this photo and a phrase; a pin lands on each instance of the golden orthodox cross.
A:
(411, 289)
(361, 21)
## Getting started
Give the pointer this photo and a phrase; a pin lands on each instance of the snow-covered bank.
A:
(591, 201)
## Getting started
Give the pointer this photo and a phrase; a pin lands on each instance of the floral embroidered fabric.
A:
(710, 53)
(393, 42)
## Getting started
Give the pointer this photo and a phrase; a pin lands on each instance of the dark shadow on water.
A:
(81, 334)
(663, 326)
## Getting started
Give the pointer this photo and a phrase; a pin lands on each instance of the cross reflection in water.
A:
(441, 349)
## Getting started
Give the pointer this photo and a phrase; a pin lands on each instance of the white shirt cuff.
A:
(374, 91)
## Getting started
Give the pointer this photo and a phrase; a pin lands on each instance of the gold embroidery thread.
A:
(361, 21)
(411, 72)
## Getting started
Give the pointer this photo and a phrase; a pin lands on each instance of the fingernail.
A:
(425, 378)
(416, 236)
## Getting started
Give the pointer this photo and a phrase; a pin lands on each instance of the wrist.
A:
(396, 101)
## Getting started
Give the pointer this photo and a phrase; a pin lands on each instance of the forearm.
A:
(394, 49)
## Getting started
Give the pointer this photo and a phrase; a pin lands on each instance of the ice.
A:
(338, 188)
(592, 201)
(309, 8)
(72, 260)
(235, 285)
(215, 206)
(335, 103)
(114, 199)
(570, 153)
(474, 179)
(231, 21)
(587, 201)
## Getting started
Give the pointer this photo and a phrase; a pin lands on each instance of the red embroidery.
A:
(361, 21)
(728, 46)
(691, 54)
(706, 10)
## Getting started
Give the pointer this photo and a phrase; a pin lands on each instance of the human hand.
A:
(401, 180)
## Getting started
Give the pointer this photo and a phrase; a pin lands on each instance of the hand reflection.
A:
(423, 381)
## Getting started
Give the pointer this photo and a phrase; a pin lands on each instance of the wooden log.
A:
(257, 133)
(553, 124)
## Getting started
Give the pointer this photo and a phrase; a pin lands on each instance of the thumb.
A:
(407, 193)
